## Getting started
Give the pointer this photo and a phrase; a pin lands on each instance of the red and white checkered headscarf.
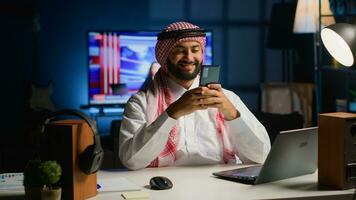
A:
(165, 46)
(159, 97)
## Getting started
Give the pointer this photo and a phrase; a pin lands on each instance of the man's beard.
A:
(176, 72)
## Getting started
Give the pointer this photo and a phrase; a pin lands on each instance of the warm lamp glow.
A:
(307, 16)
(337, 47)
(340, 41)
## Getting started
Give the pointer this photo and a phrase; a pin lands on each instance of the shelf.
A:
(340, 16)
(339, 69)
(335, 86)
(116, 105)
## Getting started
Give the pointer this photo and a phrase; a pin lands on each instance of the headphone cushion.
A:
(90, 160)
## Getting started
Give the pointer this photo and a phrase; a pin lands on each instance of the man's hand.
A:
(217, 99)
(202, 98)
(189, 102)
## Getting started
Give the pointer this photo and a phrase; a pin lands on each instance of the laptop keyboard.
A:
(247, 172)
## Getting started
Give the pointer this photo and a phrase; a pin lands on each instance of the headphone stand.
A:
(65, 141)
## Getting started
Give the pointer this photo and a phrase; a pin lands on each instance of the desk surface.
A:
(195, 183)
(199, 183)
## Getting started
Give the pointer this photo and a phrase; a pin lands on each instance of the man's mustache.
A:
(188, 62)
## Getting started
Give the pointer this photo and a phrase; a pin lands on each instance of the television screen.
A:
(119, 63)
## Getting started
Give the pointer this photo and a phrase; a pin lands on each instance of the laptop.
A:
(293, 153)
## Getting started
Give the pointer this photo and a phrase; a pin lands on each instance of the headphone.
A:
(89, 161)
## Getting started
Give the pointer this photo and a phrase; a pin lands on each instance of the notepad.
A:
(116, 185)
(135, 195)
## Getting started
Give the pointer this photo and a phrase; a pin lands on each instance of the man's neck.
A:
(184, 83)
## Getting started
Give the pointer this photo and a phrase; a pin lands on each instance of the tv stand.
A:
(101, 110)
(102, 106)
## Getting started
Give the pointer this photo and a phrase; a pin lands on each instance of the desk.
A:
(197, 183)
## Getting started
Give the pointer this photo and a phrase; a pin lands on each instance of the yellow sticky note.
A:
(135, 195)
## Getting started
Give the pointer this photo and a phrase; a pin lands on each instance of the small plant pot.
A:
(51, 194)
(33, 193)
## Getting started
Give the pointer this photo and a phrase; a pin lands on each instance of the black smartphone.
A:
(209, 74)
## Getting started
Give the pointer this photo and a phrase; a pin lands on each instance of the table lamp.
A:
(337, 131)
(340, 41)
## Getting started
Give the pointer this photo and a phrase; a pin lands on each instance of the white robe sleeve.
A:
(249, 137)
(140, 143)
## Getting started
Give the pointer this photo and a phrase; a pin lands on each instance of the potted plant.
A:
(50, 173)
(32, 182)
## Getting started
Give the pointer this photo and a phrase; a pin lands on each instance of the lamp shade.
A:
(340, 41)
(307, 16)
